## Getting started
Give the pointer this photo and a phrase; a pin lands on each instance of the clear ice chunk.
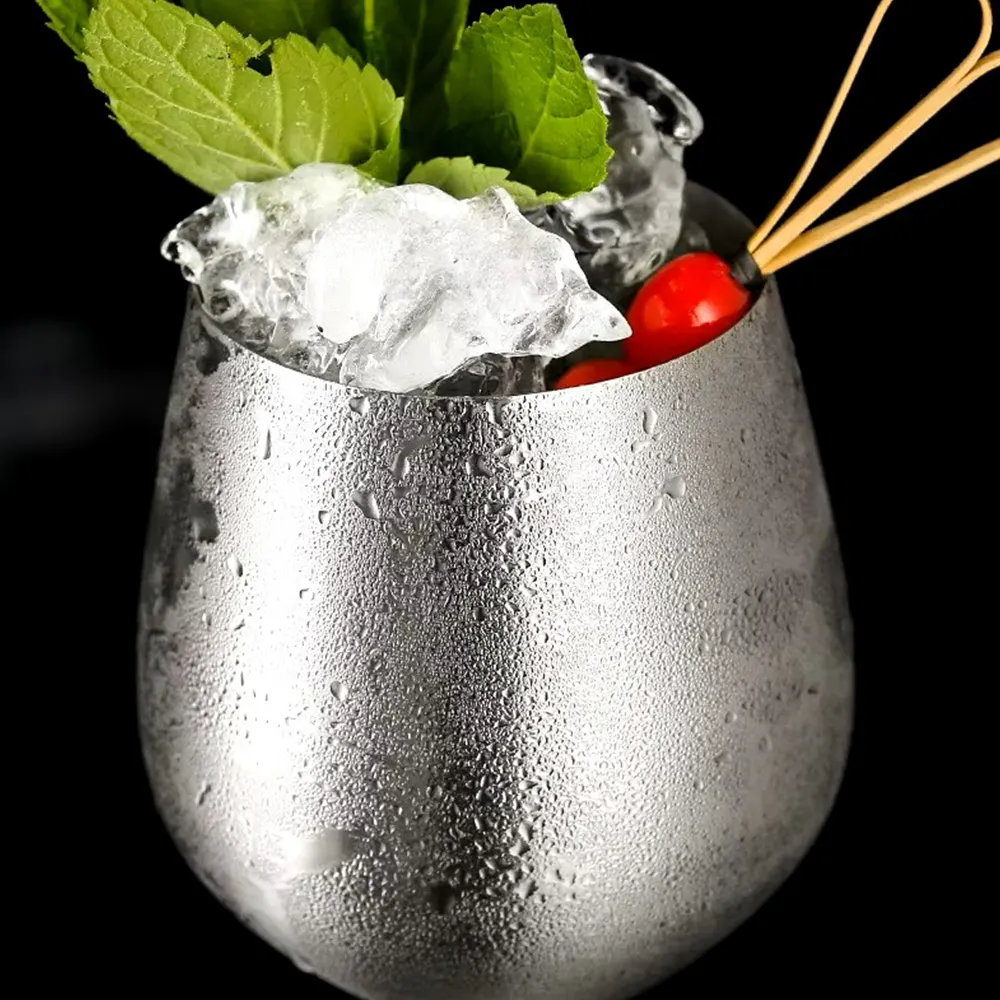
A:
(495, 375)
(627, 227)
(396, 288)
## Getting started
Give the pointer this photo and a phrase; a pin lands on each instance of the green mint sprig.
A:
(246, 90)
(67, 18)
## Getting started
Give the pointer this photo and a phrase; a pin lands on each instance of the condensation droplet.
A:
(400, 468)
(264, 443)
(479, 614)
(324, 516)
(650, 419)
(203, 793)
(302, 964)
(360, 405)
(204, 524)
(674, 487)
(525, 889)
(235, 566)
(477, 465)
(731, 716)
(765, 744)
(365, 501)
(340, 691)
(305, 594)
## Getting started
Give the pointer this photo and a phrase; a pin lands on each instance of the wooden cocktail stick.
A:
(773, 250)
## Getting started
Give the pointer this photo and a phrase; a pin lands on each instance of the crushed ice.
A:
(396, 288)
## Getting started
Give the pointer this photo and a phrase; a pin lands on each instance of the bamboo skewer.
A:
(792, 241)
(885, 204)
(814, 154)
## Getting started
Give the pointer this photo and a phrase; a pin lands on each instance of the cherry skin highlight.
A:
(688, 302)
(594, 370)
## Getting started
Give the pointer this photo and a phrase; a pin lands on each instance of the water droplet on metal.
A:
(650, 419)
(365, 501)
(203, 793)
(360, 405)
(204, 524)
(674, 487)
(264, 443)
(525, 889)
(340, 691)
(324, 516)
(235, 566)
(731, 716)
(400, 468)
(477, 465)
(321, 852)
(305, 594)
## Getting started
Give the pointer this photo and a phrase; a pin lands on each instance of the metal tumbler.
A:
(484, 699)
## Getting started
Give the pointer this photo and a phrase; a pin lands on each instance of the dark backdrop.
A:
(88, 330)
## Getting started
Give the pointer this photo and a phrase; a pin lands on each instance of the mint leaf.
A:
(410, 42)
(183, 90)
(518, 97)
(339, 45)
(461, 177)
(266, 19)
(67, 18)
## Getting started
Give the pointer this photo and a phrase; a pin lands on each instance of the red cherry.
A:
(594, 370)
(687, 303)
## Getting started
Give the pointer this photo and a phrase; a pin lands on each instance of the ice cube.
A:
(248, 252)
(624, 229)
(495, 375)
(395, 288)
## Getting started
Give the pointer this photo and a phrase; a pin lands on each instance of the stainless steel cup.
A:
(473, 699)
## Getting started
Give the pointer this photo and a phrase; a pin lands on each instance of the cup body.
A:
(476, 699)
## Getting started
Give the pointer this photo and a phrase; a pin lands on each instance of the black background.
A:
(88, 330)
